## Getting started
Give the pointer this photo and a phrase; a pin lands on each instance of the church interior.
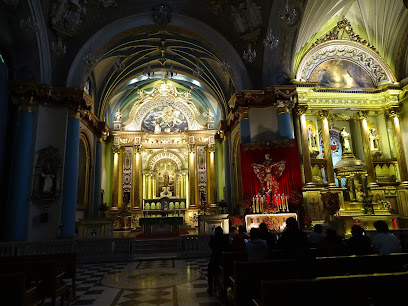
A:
(127, 121)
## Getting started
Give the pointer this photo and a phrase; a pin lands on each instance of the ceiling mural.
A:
(341, 74)
(164, 119)
(164, 109)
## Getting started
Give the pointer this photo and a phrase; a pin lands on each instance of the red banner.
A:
(291, 178)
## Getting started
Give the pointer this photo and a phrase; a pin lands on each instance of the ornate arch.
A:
(366, 58)
(164, 94)
(151, 163)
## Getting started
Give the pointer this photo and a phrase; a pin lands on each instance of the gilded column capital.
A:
(393, 112)
(137, 148)
(191, 148)
(301, 110)
(323, 114)
(211, 148)
(116, 149)
(360, 115)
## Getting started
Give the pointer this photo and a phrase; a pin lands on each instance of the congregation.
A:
(294, 243)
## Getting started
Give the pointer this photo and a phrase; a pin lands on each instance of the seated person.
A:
(238, 243)
(257, 249)
(293, 241)
(331, 245)
(385, 242)
(316, 236)
(267, 236)
(359, 243)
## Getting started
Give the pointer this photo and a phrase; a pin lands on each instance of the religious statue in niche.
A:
(157, 128)
(345, 140)
(47, 175)
(269, 172)
(374, 143)
(312, 141)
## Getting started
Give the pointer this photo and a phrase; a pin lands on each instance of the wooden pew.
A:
(65, 263)
(246, 281)
(15, 291)
(361, 264)
(227, 269)
(362, 290)
(56, 268)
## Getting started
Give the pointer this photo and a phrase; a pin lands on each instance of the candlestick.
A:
(253, 204)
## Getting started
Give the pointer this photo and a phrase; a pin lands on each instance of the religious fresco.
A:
(341, 74)
(164, 119)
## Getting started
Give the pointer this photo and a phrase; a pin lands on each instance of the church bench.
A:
(227, 269)
(57, 267)
(362, 290)
(14, 290)
(246, 280)
(361, 264)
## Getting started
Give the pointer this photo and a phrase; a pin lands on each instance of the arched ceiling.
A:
(121, 70)
(203, 33)
(383, 23)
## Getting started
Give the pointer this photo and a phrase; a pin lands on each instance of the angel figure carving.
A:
(269, 172)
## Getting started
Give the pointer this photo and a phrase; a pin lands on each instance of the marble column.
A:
(402, 163)
(20, 178)
(70, 180)
(323, 115)
(192, 177)
(368, 158)
(307, 166)
(137, 178)
(115, 179)
(285, 126)
(98, 178)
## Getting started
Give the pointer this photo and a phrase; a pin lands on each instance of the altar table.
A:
(276, 222)
(161, 225)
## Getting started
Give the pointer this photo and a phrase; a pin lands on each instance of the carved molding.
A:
(31, 93)
(366, 58)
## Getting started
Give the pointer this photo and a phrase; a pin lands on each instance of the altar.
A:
(161, 225)
(275, 222)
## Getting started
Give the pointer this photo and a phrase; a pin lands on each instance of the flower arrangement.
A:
(236, 221)
(295, 198)
(271, 223)
(386, 204)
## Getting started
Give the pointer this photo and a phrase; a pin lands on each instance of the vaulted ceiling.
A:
(113, 43)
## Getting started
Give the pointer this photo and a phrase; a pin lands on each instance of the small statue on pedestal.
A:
(345, 140)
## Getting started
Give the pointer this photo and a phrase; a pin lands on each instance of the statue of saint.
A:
(48, 176)
(345, 140)
(374, 141)
(268, 172)
(312, 139)
(118, 115)
(210, 116)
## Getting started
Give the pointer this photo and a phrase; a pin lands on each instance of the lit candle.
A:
(395, 223)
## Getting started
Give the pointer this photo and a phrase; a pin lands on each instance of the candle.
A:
(287, 204)
(253, 204)
(395, 223)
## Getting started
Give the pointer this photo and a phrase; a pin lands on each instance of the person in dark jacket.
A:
(218, 244)
(359, 243)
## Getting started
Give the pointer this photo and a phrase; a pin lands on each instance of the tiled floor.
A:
(145, 282)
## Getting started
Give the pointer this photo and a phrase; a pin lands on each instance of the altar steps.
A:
(155, 248)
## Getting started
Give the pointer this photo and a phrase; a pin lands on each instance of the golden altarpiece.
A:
(163, 157)
(349, 131)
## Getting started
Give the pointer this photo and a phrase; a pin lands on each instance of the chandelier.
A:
(271, 41)
(249, 54)
(148, 71)
(59, 48)
(119, 64)
(288, 14)
(198, 71)
(171, 72)
(225, 66)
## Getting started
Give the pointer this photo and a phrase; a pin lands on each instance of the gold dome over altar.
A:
(349, 164)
